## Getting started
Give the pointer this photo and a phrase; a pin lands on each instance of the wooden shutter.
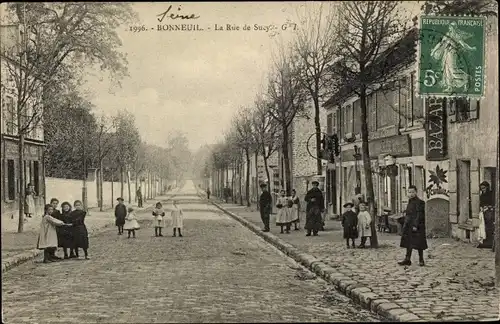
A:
(452, 190)
(452, 110)
(474, 109)
(474, 186)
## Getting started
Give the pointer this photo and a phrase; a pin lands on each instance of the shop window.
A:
(11, 180)
(463, 109)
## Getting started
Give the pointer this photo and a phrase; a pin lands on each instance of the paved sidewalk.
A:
(19, 247)
(457, 282)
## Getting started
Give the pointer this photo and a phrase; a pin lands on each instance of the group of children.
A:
(356, 223)
(125, 219)
(65, 229)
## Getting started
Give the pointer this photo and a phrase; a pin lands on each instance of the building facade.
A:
(473, 130)
(304, 167)
(33, 163)
(395, 121)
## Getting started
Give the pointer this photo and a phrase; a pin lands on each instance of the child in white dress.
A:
(159, 221)
(177, 218)
(131, 224)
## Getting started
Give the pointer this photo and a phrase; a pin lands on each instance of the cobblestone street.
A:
(218, 272)
(457, 282)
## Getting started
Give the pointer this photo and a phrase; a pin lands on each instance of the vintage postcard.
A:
(223, 162)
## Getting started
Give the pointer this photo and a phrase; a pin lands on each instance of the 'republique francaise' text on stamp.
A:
(452, 56)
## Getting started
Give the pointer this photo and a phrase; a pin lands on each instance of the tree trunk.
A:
(318, 135)
(496, 243)
(101, 185)
(286, 160)
(136, 186)
(22, 185)
(257, 177)
(121, 181)
(129, 189)
(233, 195)
(247, 182)
(112, 189)
(367, 167)
(240, 177)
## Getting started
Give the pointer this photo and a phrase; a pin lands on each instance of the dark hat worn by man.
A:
(120, 199)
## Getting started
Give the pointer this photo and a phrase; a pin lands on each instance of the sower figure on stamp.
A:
(265, 203)
(315, 206)
(413, 236)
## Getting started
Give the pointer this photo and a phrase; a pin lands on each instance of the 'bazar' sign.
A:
(436, 129)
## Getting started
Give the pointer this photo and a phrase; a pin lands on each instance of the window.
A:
(329, 123)
(405, 99)
(463, 109)
(387, 112)
(417, 107)
(334, 122)
(356, 106)
(371, 102)
(348, 121)
(10, 116)
(11, 180)
(36, 176)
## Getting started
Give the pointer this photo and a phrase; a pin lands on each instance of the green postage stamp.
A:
(452, 56)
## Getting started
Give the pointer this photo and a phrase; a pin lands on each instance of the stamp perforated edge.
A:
(485, 57)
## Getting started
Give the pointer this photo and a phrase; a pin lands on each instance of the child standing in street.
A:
(131, 224)
(364, 221)
(350, 224)
(120, 214)
(159, 221)
(177, 218)
(47, 238)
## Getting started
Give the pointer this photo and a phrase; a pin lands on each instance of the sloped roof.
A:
(399, 54)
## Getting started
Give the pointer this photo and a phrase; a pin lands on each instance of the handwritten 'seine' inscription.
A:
(169, 14)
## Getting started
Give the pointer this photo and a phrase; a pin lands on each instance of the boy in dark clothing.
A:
(350, 224)
(120, 214)
(265, 203)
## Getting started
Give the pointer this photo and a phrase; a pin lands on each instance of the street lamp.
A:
(357, 157)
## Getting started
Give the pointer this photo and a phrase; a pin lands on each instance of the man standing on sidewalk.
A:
(139, 197)
(315, 206)
(413, 236)
(265, 204)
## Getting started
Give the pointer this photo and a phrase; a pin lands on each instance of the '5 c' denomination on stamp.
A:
(452, 56)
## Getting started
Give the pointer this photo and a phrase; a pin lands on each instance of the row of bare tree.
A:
(341, 48)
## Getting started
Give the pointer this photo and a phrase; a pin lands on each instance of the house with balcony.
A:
(33, 163)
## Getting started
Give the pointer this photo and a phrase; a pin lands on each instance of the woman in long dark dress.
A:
(66, 239)
(486, 204)
(80, 233)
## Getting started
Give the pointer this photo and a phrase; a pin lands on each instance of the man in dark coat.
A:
(120, 214)
(139, 197)
(315, 206)
(208, 193)
(413, 232)
(265, 204)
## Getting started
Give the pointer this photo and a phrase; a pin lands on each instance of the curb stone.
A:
(16, 260)
(362, 296)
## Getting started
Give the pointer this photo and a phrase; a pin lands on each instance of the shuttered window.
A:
(329, 123)
(11, 180)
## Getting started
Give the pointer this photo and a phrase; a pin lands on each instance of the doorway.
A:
(464, 206)
(490, 175)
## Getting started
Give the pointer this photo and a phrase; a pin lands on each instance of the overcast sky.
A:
(193, 81)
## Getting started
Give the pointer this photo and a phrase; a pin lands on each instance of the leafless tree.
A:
(314, 48)
(52, 34)
(243, 130)
(266, 131)
(287, 98)
(365, 29)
